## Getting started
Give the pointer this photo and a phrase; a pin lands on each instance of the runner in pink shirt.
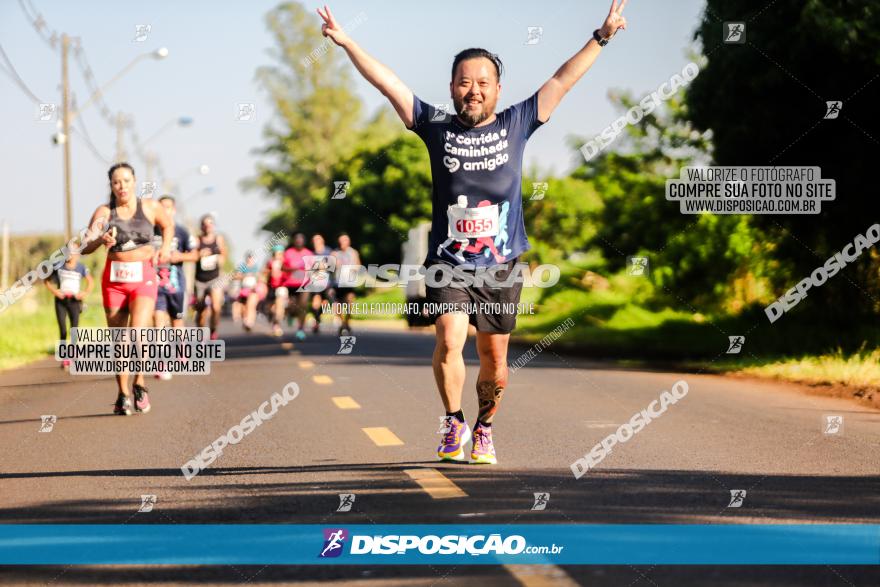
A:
(296, 276)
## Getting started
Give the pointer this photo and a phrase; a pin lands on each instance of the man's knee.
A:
(449, 344)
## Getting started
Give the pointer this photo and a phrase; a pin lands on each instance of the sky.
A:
(214, 48)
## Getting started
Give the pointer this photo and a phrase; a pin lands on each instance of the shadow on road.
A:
(449, 576)
(386, 494)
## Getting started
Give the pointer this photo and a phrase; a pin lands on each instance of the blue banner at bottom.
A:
(453, 544)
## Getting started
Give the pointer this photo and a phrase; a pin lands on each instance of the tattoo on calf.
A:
(489, 394)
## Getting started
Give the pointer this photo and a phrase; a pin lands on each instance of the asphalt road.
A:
(366, 423)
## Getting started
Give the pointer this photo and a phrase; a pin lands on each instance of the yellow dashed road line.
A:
(346, 402)
(435, 483)
(540, 576)
(322, 379)
(382, 436)
(306, 364)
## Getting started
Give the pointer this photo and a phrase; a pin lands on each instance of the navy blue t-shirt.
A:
(171, 276)
(477, 215)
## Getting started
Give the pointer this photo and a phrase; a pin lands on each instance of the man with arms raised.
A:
(476, 165)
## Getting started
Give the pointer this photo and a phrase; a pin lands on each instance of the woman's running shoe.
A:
(300, 335)
(276, 331)
(123, 406)
(456, 436)
(484, 450)
(141, 398)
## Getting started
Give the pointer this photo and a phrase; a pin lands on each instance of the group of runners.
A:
(477, 222)
(144, 282)
(277, 289)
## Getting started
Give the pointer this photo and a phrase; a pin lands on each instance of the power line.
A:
(90, 145)
(51, 37)
(82, 62)
(13, 75)
(84, 134)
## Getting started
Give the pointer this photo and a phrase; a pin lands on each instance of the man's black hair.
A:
(474, 53)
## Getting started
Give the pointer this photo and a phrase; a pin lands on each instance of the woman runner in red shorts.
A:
(130, 284)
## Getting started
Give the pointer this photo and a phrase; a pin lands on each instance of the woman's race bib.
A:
(473, 222)
(126, 271)
(208, 263)
(249, 281)
(69, 281)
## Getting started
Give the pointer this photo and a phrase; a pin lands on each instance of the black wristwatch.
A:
(599, 39)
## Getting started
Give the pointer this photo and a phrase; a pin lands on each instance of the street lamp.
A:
(173, 185)
(68, 116)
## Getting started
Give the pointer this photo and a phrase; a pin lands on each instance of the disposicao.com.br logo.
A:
(431, 544)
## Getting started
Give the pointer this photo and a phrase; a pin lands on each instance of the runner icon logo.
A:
(333, 542)
(833, 424)
(534, 35)
(340, 189)
(440, 113)
(47, 423)
(246, 112)
(735, 32)
(833, 110)
(148, 188)
(346, 500)
(147, 503)
(737, 497)
(141, 31)
(541, 501)
(346, 345)
(46, 112)
(736, 344)
(539, 188)
(638, 266)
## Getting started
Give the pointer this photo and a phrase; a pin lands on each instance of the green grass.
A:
(609, 324)
(859, 370)
(388, 295)
(30, 330)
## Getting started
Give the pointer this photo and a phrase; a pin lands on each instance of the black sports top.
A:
(207, 268)
(132, 233)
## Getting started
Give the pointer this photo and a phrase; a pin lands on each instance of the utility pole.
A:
(4, 270)
(120, 131)
(150, 160)
(65, 130)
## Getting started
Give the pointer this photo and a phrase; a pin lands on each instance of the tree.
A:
(765, 102)
(317, 116)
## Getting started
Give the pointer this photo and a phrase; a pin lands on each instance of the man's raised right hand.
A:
(331, 28)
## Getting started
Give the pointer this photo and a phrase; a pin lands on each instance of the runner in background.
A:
(129, 285)
(345, 255)
(276, 292)
(247, 298)
(171, 300)
(65, 283)
(319, 246)
(296, 277)
(212, 255)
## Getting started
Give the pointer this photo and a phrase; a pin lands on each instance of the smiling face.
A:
(122, 183)
(475, 90)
